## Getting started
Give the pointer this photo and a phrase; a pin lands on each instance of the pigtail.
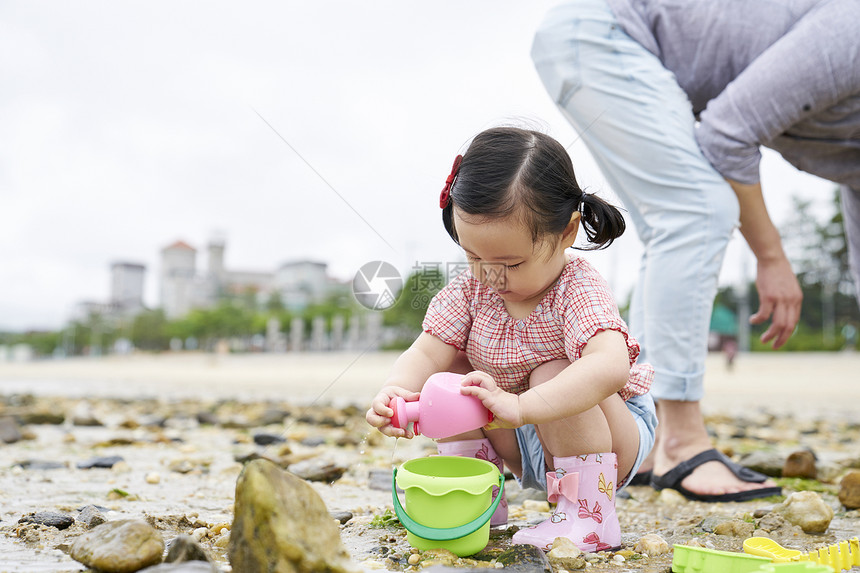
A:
(602, 221)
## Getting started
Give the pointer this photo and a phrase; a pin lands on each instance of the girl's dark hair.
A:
(509, 171)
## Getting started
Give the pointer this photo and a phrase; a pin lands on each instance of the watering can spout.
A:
(404, 412)
(441, 410)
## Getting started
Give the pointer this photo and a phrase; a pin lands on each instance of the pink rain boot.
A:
(482, 450)
(583, 487)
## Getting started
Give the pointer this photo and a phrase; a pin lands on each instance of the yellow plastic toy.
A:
(840, 556)
(795, 567)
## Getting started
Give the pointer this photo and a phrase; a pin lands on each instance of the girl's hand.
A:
(504, 405)
(379, 415)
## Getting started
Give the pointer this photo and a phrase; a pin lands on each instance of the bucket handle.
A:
(443, 533)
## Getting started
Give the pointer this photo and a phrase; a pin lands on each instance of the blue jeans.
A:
(638, 124)
(532, 455)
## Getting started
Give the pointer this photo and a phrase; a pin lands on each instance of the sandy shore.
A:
(797, 383)
(820, 387)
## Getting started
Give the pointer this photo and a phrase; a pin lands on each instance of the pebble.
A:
(268, 439)
(565, 555)
(87, 420)
(42, 417)
(41, 465)
(119, 546)
(207, 418)
(800, 464)
(99, 462)
(49, 519)
(9, 431)
(849, 490)
(218, 528)
(121, 467)
(341, 517)
(651, 545)
(153, 478)
(185, 548)
(379, 479)
(536, 505)
(768, 462)
(671, 498)
(735, 528)
(318, 469)
(91, 516)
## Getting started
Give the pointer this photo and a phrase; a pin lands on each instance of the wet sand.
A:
(793, 386)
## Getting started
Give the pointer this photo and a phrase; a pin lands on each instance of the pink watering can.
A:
(441, 411)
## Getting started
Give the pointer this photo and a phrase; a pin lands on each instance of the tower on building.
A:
(178, 270)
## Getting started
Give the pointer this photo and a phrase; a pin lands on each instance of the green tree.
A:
(818, 251)
(408, 312)
(150, 330)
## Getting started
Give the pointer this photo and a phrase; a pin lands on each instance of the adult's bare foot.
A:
(681, 437)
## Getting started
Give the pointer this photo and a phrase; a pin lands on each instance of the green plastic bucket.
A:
(448, 502)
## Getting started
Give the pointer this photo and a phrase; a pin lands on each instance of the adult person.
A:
(673, 98)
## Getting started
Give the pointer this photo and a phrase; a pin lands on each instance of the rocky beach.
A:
(94, 452)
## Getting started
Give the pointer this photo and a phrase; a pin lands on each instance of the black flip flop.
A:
(673, 478)
(642, 478)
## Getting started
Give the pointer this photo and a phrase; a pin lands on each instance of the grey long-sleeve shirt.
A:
(780, 73)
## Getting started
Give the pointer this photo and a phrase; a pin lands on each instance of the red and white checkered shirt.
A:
(473, 318)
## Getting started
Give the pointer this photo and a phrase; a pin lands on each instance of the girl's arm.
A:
(427, 355)
(602, 370)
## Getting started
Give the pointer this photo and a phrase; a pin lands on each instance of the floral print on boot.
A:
(482, 450)
(583, 489)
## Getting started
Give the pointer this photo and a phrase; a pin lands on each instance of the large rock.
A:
(122, 546)
(524, 559)
(281, 525)
(808, 510)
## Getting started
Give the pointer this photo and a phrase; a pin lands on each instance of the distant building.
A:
(181, 287)
(300, 283)
(127, 286)
(184, 287)
(126, 295)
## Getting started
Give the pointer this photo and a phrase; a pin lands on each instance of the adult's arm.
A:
(779, 293)
(811, 68)
(808, 70)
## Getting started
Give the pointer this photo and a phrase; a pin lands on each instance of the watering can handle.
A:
(443, 533)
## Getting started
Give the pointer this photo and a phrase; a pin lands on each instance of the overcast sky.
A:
(127, 126)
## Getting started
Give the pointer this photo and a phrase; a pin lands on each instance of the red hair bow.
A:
(445, 196)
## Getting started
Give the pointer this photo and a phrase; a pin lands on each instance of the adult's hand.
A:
(780, 299)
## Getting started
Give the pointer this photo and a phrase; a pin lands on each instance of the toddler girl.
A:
(538, 336)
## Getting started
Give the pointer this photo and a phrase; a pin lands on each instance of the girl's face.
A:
(502, 256)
